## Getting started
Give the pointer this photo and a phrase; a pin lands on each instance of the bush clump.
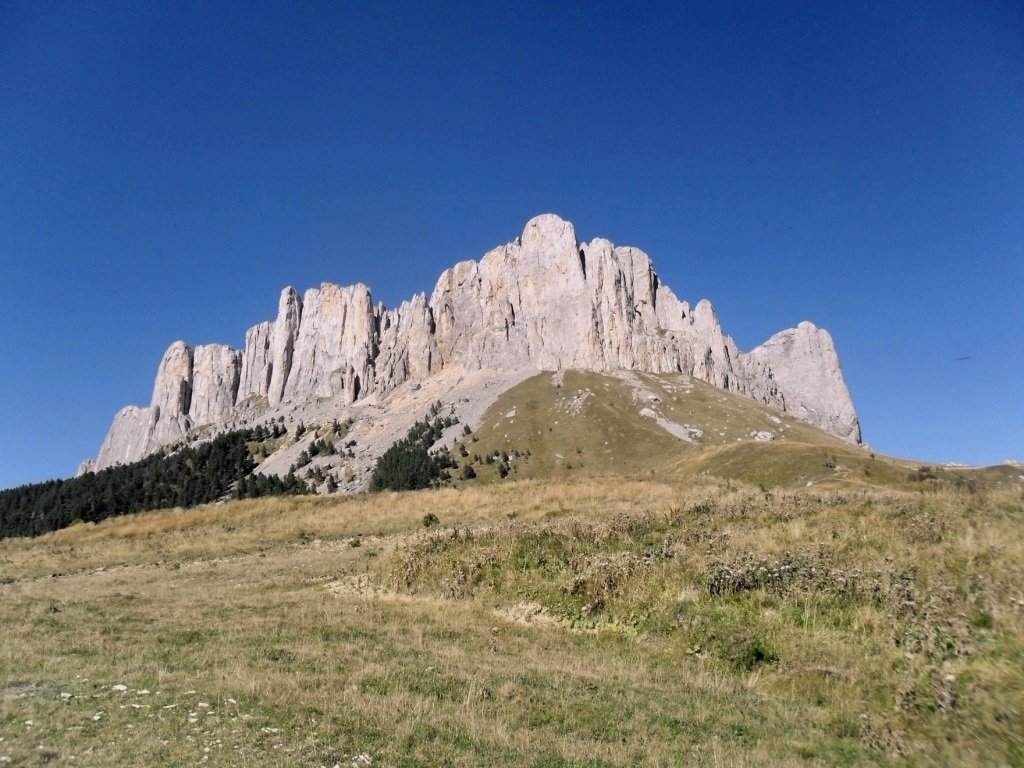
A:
(750, 655)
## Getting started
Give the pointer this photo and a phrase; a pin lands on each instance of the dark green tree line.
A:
(191, 476)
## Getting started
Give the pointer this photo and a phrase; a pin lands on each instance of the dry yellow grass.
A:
(223, 529)
(236, 607)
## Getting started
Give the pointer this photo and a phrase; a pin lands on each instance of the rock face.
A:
(806, 367)
(216, 371)
(130, 437)
(257, 364)
(543, 301)
(138, 432)
(87, 466)
(336, 344)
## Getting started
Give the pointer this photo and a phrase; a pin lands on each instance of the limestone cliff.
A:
(805, 365)
(544, 301)
(216, 370)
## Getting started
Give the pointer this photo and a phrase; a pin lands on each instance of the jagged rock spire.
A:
(542, 301)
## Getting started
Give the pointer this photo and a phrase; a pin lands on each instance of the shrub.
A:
(752, 654)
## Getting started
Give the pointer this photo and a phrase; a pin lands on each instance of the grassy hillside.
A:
(587, 621)
(673, 427)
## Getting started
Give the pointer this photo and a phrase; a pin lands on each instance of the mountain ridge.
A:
(543, 301)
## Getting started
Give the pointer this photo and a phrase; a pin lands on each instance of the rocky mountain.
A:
(543, 302)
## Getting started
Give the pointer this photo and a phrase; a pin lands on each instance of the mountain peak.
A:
(541, 302)
(549, 232)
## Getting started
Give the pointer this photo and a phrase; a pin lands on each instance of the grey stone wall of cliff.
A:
(543, 301)
(805, 365)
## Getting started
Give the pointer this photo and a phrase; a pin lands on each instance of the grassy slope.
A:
(604, 433)
(568, 615)
(591, 424)
(714, 625)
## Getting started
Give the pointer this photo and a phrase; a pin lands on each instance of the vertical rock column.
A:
(215, 376)
(172, 395)
(257, 362)
(336, 344)
(286, 330)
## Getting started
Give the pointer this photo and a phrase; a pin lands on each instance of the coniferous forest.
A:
(408, 464)
(190, 476)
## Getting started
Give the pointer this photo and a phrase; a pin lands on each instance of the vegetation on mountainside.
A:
(192, 475)
(574, 423)
(409, 464)
(794, 602)
(590, 622)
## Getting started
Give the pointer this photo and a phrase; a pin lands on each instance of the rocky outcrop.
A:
(548, 302)
(336, 345)
(172, 395)
(130, 437)
(804, 362)
(257, 362)
(407, 344)
(216, 371)
(138, 432)
(543, 301)
(286, 330)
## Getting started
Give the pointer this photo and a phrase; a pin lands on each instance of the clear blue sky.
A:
(166, 168)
